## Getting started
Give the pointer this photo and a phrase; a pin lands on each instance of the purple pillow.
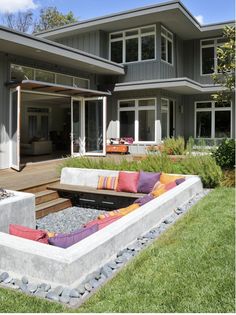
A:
(67, 240)
(147, 181)
(143, 200)
(179, 181)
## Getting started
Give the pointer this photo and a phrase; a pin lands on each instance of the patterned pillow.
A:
(107, 182)
(28, 233)
(128, 182)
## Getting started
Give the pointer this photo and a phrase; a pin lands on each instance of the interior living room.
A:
(45, 130)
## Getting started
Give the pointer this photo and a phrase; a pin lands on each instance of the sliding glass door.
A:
(88, 126)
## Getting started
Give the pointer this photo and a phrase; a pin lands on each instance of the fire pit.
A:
(5, 194)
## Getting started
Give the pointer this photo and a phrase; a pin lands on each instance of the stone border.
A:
(71, 266)
(74, 298)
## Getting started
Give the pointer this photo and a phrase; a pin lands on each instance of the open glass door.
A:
(95, 126)
(15, 96)
(77, 139)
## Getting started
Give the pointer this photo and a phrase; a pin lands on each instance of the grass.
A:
(189, 269)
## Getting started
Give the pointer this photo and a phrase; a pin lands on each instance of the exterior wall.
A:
(112, 110)
(189, 113)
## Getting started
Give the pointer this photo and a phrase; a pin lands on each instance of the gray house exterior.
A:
(144, 74)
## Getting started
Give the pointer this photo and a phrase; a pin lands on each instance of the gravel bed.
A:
(68, 220)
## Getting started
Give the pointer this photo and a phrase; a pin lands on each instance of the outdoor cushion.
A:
(170, 185)
(143, 200)
(107, 182)
(166, 178)
(159, 191)
(128, 182)
(103, 222)
(67, 240)
(147, 181)
(119, 212)
(180, 180)
(127, 210)
(28, 233)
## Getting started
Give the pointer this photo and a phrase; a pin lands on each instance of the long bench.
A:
(80, 185)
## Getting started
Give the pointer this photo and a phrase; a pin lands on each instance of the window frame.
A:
(212, 110)
(136, 108)
(166, 40)
(215, 44)
(124, 37)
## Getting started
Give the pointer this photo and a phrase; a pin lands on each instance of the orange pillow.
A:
(128, 209)
(166, 178)
(159, 191)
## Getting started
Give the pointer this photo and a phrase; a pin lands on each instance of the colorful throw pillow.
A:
(129, 209)
(159, 191)
(67, 240)
(166, 178)
(128, 182)
(147, 181)
(107, 182)
(180, 180)
(119, 212)
(143, 200)
(28, 233)
(170, 185)
(104, 222)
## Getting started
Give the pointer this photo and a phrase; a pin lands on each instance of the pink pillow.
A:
(128, 182)
(170, 185)
(30, 234)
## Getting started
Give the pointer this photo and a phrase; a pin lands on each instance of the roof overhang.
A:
(12, 42)
(37, 86)
(182, 86)
(172, 14)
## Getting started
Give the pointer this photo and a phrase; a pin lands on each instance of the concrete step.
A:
(45, 196)
(52, 206)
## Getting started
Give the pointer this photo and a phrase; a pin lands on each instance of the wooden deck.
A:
(31, 176)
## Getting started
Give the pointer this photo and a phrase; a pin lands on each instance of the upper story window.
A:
(133, 45)
(166, 45)
(209, 60)
(19, 73)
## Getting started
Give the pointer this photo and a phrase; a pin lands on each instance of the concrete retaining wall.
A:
(72, 265)
(18, 209)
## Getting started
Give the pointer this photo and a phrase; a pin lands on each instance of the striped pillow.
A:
(107, 182)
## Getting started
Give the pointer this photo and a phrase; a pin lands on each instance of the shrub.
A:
(174, 146)
(204, 166)
(225, 154)
(228, 179)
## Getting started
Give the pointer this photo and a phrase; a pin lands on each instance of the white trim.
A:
(139, 36)
(166, 43)
(136, 108)
(213, 109)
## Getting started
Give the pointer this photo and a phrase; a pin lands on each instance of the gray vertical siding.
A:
(4, 113)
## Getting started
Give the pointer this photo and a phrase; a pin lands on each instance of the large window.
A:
(212, 120)
(209, 61)
(133, 45)
(137, 119)
(166, 45)
(19, 73)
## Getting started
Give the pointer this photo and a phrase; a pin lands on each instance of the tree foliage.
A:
(21, 21)
(50, 18)
(225, 75)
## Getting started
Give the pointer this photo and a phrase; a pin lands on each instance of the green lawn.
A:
(189, 269)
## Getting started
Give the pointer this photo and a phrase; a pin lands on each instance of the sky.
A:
(206, 11)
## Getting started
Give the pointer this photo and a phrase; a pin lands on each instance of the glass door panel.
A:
(76, 127)
(95, 126)
(164, 118)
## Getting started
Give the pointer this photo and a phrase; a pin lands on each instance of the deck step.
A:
(52, 206)
(45, 196)
(40, 186)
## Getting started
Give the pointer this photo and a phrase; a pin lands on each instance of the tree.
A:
(225, 75)
(50, 18)
(21, 21)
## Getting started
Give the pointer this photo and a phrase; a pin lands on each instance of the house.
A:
(145, 74)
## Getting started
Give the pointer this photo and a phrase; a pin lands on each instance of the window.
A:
(209, 61)
(137, 119)
(19, 73)
(133, 45)
(166, 45)
(212, 120)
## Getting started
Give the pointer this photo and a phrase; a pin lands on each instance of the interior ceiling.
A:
(40, 99)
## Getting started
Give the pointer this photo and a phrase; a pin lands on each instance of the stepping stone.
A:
(23, 287)
(112, 265)
(88, 287)
(52, 296)
(81, 289)
(24, 280)
(119, 260)
(66, 292)
(74, 293)
(74, 301)
(58, 290)
(94, 283)
(41, 294)
(4, 276)
(47, 288)
(64, 299)
(107, 271)
(98, 276)
(32, 288)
